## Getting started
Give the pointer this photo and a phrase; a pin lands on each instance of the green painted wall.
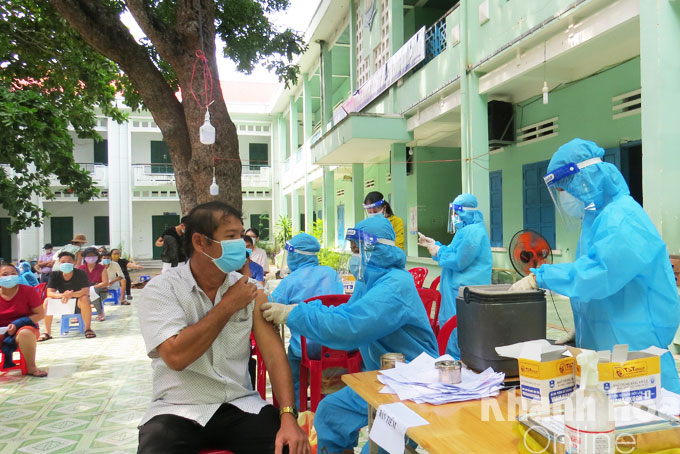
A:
(507, 22)
(585, 110)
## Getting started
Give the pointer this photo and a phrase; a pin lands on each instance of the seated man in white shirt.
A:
(196, 322)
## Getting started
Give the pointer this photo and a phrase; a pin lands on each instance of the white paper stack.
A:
(419, 381)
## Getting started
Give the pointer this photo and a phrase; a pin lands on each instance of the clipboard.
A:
(57, 308)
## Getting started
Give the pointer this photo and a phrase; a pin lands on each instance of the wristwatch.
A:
(292, 410)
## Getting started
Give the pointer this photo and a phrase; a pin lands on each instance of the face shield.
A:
(455, 222)
(571, 208)
(375, 208)
(362, 244)
(289, 249)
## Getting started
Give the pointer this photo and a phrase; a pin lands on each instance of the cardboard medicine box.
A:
(546, 376)
(628, 375)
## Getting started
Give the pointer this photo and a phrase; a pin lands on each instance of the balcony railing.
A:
(98, 172)
(435, 40)
(153, 175)
(161, 175)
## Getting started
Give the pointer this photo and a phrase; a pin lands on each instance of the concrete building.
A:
(138, 197)
(423, 100)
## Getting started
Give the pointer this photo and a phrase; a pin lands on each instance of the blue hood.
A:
(599, 184)
(304, 242)
(384, 257)
(469, 217)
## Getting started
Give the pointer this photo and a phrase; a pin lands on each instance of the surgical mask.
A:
(571, 205)
(233, 255)
(106, 261)
(66, 267)
(9, 281)
(91, 260)
(354, 262)
(48, 251)
(370, 215)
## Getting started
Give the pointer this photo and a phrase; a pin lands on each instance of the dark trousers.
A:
(229, 428)
(44, 277)
(128, 287)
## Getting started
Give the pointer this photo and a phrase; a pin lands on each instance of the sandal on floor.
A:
(125, 303)
(101, 318)
(90, 334)
(38, 373)
(44, 337)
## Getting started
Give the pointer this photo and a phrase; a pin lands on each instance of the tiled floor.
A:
(98, 389)
(93, 398)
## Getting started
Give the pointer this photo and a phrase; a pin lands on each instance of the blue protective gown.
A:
(621, 285)
(466, 261)
(384, 314)
(307, 279)
(28, 275)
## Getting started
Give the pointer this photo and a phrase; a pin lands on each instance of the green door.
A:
(61, 229)
(101, 152)
(5, 240)
(101, 230)
(158, 225)
(160, 158)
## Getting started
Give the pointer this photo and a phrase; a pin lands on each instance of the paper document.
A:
(3, 330)
(390, 425)
(93, 294)
(57, 308)
(418, 381)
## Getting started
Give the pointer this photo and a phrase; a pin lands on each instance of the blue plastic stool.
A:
(114, 296)
(66, 324)
(144, 278)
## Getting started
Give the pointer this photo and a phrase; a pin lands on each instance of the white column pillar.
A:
(119, 185)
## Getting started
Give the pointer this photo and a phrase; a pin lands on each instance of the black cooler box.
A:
(490, 316)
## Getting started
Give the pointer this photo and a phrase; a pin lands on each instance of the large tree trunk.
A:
(100, 26)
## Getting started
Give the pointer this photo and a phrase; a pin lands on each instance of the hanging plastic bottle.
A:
(207, 131)
(589, 413)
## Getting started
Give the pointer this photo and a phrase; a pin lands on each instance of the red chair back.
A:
(445, 333)
(435, 283)
(429, 298)
(419, 275)
(42, 290)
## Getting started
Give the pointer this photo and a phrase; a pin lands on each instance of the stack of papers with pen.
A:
(418, 381)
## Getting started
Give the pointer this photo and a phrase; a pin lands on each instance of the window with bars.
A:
(362, 62)
(381, 53)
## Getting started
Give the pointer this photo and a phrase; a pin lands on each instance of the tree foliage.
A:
(64, 61)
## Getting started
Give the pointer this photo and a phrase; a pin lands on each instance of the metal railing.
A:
(435, 40)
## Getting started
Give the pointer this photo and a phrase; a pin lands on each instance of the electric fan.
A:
(529, 249)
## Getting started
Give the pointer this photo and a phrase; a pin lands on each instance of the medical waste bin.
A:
(490, 316)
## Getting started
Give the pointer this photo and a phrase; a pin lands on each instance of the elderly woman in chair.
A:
(20, 311)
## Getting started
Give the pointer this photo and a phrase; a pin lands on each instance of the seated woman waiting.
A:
(20, 312)
(98, 278)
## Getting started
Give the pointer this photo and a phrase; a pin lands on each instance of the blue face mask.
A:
(233, 255)
(106, 262)
(9, 281)
(354, 264)
(66, 267)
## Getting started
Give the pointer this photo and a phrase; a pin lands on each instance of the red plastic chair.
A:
(42, 290)
(445, 333)
(261, 379)
(20, 363)
(435, 283)
(419, 275)
(431, 297)
(329, 358)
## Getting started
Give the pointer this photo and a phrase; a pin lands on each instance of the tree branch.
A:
(101, 27)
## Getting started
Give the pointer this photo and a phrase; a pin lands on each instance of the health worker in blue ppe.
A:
(26, 272)
(465, 261)
(305, 279)
(621, 285)
(384, 314)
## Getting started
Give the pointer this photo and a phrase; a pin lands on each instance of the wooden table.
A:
(454, 428)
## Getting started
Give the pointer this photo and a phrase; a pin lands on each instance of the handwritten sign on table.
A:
(390, 425)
